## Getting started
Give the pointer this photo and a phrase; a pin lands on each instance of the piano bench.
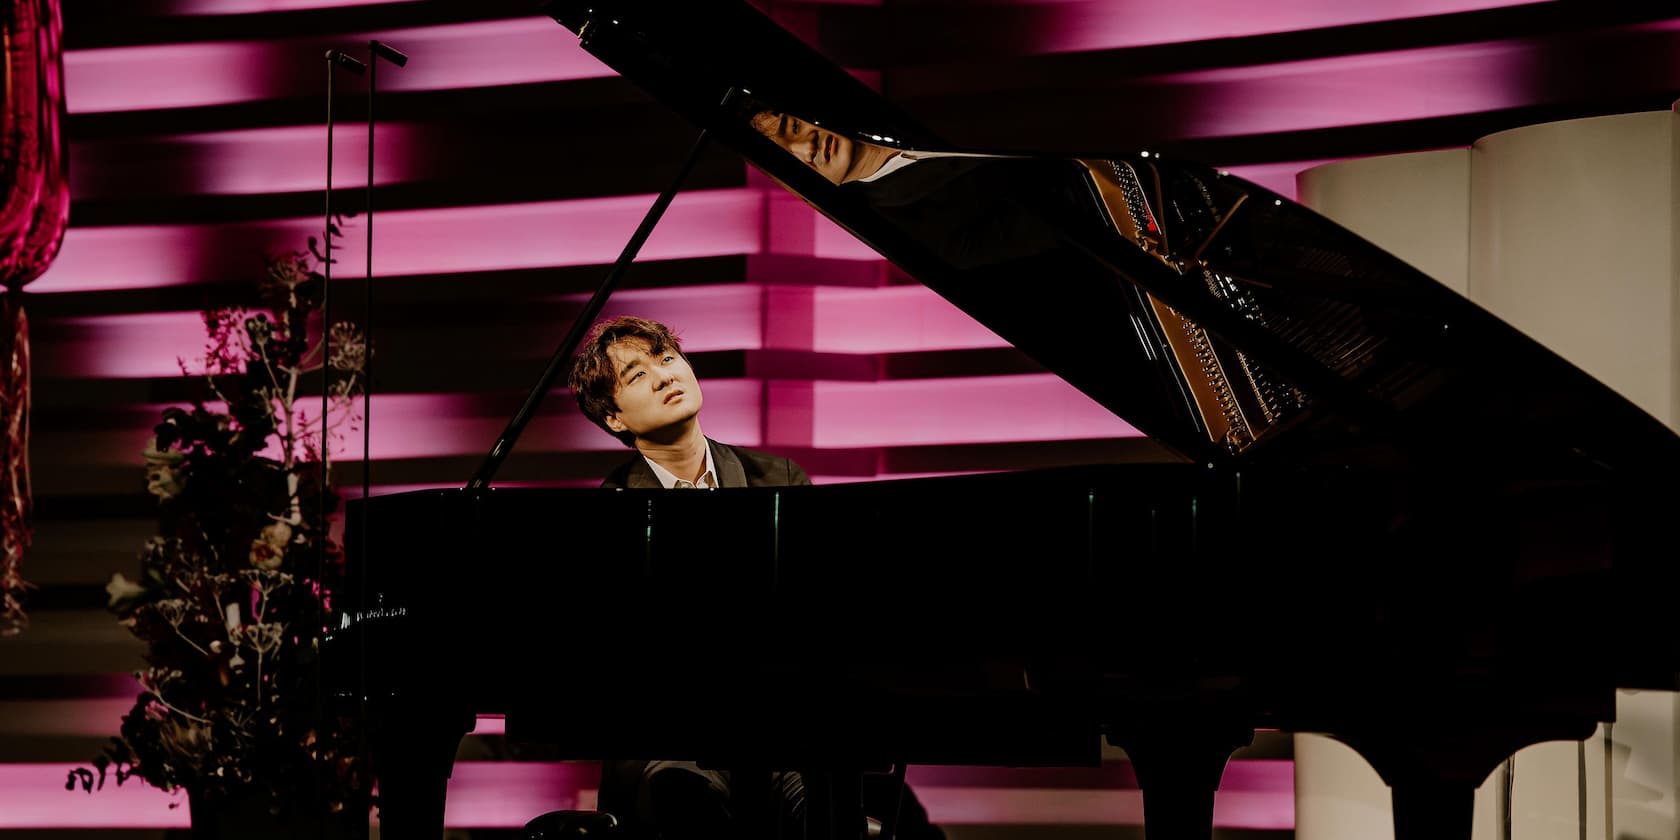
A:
(571, 825)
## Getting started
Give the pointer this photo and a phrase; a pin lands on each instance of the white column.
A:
(1567, 231)
(1573, 231)
(1415, 206)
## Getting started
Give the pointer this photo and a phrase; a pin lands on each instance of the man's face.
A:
(823, 150)
(654, 391)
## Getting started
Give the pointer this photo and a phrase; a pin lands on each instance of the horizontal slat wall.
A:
(510, 167)
(488, 796)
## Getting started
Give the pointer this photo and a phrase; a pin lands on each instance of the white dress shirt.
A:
(669, 480)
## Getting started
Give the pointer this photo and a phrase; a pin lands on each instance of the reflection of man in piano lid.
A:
(632, 379)
(833, 155)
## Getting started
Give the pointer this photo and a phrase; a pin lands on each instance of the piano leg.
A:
(1433, 764)
(834, 804)
(1178, 763)
(1433, 810)
(413, 756)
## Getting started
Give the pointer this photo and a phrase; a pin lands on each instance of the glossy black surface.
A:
(1442, 544)
(1436, 621)
(1389, 367)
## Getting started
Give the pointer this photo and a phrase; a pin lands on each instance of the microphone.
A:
(388, 52)
(347, 61)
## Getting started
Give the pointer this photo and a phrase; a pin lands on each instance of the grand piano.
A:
(1465, 526)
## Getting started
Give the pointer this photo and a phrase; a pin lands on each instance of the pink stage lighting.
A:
(592, 231)
(245, 162)
(434, 425)
(447, 425)
(153, 344)
(251, 7)
(894, 319)
(1117, 24)
(191, 75)
(981, 409)
(1253, 794)
(843, 415)
(32, 796)
(508, 794)
(1356, 90)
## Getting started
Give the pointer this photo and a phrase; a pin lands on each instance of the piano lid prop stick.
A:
(585, 319)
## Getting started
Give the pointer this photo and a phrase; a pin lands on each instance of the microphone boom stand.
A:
(334, 59)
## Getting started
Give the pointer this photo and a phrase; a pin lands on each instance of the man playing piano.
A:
(630, 377)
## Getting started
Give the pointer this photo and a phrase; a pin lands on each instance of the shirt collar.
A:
(668, 480)
(898, 161)
(903, 159)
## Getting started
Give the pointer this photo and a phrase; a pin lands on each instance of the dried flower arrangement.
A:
(235, 588)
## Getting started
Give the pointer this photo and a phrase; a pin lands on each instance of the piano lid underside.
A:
(1225, 321)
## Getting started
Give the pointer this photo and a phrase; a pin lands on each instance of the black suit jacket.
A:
(736, 466)
(623, 790)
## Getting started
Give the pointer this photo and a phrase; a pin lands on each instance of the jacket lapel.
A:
(640, 476)
(728, 466)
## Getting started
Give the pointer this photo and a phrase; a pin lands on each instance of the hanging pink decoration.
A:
(35, 212)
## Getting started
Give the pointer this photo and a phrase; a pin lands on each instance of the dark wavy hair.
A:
(594, 381)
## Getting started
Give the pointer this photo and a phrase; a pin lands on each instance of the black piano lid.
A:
(1360, 358)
